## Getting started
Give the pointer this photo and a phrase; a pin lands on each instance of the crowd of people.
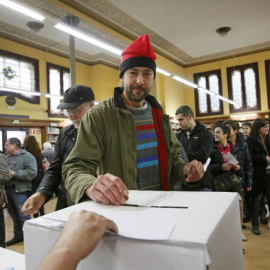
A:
(126, 143)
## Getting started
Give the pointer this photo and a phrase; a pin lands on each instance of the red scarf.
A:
(224, 150)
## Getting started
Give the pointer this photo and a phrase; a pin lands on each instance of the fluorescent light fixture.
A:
(70, 30)
(207, 91)
(26, 11)
(243, 115)
(20, 91)
(184, 81)
(164, 72)
(53, 96)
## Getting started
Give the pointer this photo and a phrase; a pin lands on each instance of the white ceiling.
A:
(181, 30)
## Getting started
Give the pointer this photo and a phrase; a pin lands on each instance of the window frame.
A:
(207, 74)
(242, 68)
(62, 69)
(35, 62)
(267, 76)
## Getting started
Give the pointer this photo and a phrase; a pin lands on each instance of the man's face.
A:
(75, 115)
(9, 147)
(184, 121)
(233, 132)
(137, 83)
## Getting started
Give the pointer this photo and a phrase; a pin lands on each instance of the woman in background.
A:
(259, 149)
(31, 145)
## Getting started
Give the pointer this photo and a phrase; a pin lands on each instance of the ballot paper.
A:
(231, 159)
(147, 223)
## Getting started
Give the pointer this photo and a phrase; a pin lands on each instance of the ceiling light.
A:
(162, 71)
(223, 31)
(53, 96)
(184, 81)
(22, 9)
(243, 115)
(20, 91)
(86, 38)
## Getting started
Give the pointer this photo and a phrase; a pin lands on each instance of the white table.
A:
(207, 235)
(9, 258)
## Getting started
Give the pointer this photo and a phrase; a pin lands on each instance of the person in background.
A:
(246, 128)
(31, 145)
(128, 138)
(48, 151)
(4, 177)
(72, 246)
(22, 169)
(243, 156)
(77, 101)
(259, 149)
(198, 144)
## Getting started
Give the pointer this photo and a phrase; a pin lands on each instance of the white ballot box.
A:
(157, 230)
(11, 260)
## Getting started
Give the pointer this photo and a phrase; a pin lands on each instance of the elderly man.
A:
(77, 100)
(22, 169)
(128, 138)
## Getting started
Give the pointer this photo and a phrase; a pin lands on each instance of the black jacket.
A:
(258, 156)
(199, 147)
(243, 156)
(53, 176)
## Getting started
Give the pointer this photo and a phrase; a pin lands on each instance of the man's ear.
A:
(92, 103)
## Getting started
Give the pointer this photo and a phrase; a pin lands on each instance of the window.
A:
(267, 70)
(58, 82)
(243, 87)
(206, 104)
(26, 76)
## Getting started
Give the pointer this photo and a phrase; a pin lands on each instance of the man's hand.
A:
(80, 236)
(11, 173)
(108, 189)
(33, 203)
(194, 171)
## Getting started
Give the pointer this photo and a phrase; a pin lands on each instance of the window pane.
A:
(202, 96)
(55, 89)
(214, 87)
(66, 80)
(237, 89)
(250, 85)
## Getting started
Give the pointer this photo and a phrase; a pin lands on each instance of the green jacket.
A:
(107, 143)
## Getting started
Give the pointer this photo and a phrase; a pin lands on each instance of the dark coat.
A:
(53, 176)
(243, 156)
(258, 156)
(198, 147)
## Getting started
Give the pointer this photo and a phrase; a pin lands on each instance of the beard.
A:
(136, 96)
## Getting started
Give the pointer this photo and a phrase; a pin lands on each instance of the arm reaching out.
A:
(79, 238)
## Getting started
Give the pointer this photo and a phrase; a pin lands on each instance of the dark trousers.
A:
(2, 228)
(14, 205)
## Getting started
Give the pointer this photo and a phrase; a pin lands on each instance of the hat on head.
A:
(75, 96)
(138, 54)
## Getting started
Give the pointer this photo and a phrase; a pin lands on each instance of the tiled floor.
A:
(257, 248)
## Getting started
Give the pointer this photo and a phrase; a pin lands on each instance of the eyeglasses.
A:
(265, 126)
(71, 112)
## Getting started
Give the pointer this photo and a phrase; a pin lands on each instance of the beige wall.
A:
(236, 61)
(103, 79)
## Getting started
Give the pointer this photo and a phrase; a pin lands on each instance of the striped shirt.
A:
(147, 149)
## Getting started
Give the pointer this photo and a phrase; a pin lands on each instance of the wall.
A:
(101, 78)
(236, 61)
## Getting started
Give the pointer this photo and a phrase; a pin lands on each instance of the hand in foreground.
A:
(194, 171)
(80, 236)
(108, 189)
(33, 203)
